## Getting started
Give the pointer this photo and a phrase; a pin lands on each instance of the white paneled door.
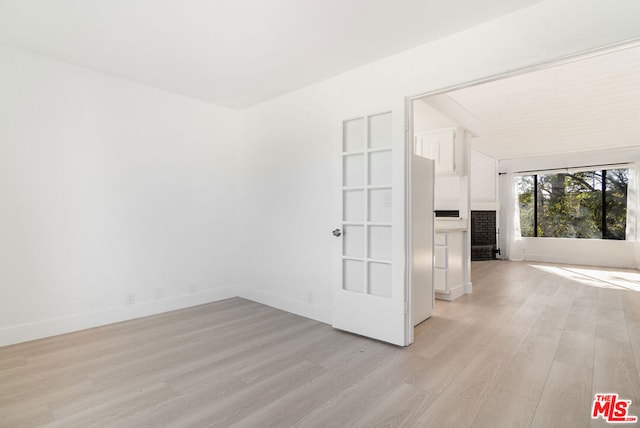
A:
(366, 299)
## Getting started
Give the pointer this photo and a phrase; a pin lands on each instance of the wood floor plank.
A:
(611, 324)
(46, 391)
(582, 316)
(459, 404)
(290, 408)
(231, 408)
(441, 370)
(504, 409)
(615, 371)
(631, 309)
(171, 361)
(440, 330)
(576, 347)
(551, 322)
(348, 406)
(566, 398)
(175, 411)
(527, 372)
(253, 364)
(115, 410)
(34, 416)
(400, 408)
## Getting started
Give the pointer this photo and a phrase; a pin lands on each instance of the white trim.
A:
(455, 292)
(408, 259)
(485, 206)
(569, 169)
(56, 326)
(590, 53)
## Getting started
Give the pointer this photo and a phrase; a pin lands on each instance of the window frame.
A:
(602, 169)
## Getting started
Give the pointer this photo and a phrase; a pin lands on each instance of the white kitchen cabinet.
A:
(445, 147)
(448, 264)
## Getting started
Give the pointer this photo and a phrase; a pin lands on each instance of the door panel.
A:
(353, 135)
(367, 301)
(353, 170)
(379, 279)
(353, 203)
(421, 226)
(379, 209)
(352, 241)
(353, 275)
(379, 242)
(380, 168)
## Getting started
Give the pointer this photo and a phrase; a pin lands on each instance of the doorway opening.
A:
(570, 112)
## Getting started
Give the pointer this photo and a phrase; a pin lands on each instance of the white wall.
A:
(484, 182)
(596, 252)
(291, 144)
(108, 188)
(426, 118)
(593, 252)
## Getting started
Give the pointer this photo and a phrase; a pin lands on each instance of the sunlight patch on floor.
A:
(620, 279)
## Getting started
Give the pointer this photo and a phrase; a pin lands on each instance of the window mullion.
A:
(535, 205)
(604, 204)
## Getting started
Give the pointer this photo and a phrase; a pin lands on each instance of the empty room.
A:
(329, 214)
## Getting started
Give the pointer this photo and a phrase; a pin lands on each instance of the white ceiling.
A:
(234, 53)
(580, 106)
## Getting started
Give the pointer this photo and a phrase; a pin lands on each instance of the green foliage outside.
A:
(570, 205)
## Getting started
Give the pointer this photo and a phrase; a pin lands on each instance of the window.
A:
(586, 204)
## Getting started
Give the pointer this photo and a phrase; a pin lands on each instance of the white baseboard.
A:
(307, 310)
(570, 260)
(55, 326)
(452, 294)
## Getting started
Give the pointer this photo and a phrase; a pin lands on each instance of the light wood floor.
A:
(529, 347)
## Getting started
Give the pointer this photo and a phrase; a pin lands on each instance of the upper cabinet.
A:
(445, 147)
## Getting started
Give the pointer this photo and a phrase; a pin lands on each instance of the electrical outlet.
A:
(130, 299)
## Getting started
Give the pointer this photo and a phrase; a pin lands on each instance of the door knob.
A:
(336, 232)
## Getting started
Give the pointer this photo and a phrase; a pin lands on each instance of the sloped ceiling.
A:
(234, 53)
(587, 105)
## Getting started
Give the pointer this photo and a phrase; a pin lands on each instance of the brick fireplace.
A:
(483, 235)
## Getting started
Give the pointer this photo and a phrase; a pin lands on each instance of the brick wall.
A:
(483, 235)
(483, 227)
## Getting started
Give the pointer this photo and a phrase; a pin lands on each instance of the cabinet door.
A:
(440, 280)
(440, 257)
(440, 146)
(440, 238)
